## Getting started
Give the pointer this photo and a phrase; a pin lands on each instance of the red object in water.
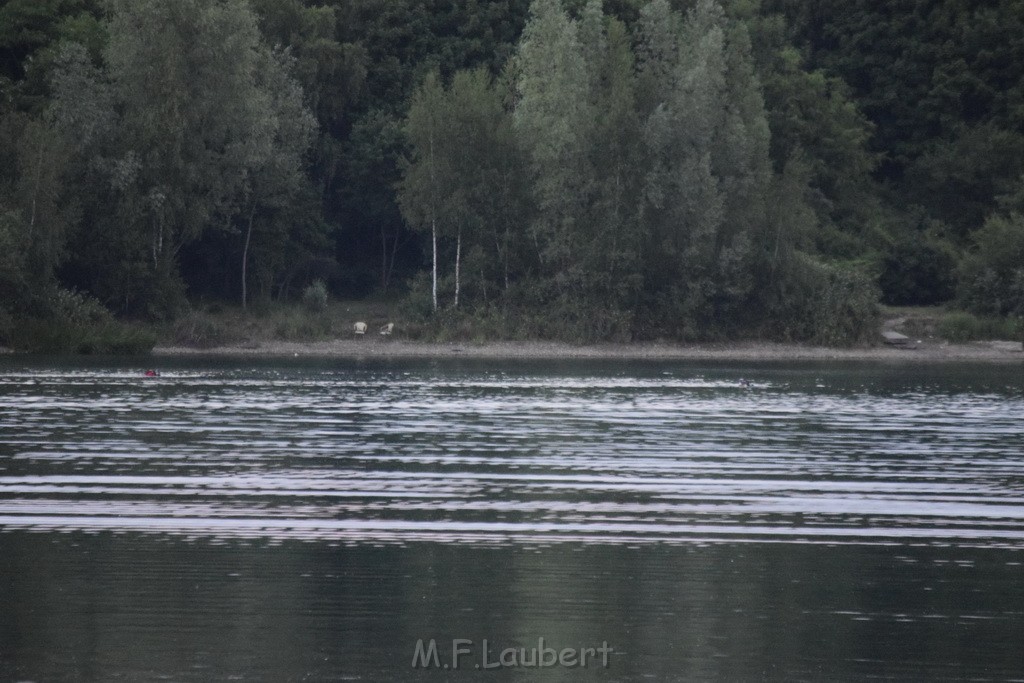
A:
(152, 373)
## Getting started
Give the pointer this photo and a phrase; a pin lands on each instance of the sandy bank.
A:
(1000, 352)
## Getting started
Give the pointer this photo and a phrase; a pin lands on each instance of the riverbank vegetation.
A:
(555, 169)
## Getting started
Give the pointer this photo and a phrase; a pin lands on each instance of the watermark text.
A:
(462, 653)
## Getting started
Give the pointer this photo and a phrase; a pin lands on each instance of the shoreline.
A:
(929, 352)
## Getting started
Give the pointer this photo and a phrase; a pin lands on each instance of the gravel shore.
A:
(371, 347)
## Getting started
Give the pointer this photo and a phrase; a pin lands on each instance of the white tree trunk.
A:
(433, 231)
(245, 260)
(433, 215)
(458, 259)
(35, 190)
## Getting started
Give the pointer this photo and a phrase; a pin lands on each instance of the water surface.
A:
(312, 520)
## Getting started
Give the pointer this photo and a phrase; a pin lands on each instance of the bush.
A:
(164, 296)
(418, 302)
(73, 308)
(824, 304)
(65, 321)
(917, 274)
(958, 327)
(6, 326)
(302, 327)
(118, 339)
(199, 329)
(1006, 329)
(53, 337)
(44, 336)
(261, 306)
(992, 276)
(314, 297)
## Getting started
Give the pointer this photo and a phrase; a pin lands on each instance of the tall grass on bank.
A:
(67, 322)
(264, 321)
(52, 337)
(959, 326)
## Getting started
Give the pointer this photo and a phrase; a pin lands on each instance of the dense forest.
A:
(574, 169)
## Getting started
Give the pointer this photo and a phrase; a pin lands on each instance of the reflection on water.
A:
(313, 520)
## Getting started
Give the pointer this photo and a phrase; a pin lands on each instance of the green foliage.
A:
(918, 273)
(35, 209)
(416, 303)
(490, 323)
(824, 304)
(73, 308)
(368, 203)
(649, 205)
(958, 327)
(7, 325)
(275, 170)
(30, 31)
(175, 138)
(940, 82)
(58, 337)
(314, 297)
(465, 181)
(119, 339)
(992, 274)
(199, 329)
(332, 73)
(585, 169)
(220, 325)
(710, 177)
(71, 322)
(303, 326)
(402, 40)
(813, 115)
(13, 275)
(1006, 329)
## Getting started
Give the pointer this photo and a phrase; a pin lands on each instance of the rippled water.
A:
(314, 519)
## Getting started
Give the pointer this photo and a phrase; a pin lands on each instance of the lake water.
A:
(315, 520)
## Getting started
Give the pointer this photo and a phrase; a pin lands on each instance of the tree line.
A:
(579, 169)
(620, 182)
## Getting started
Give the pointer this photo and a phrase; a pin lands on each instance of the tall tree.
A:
(402, 40)
(275, 171)
(710, 175)
(941, 82)
(37, 194)
(205, 116)
(332, 74)
(488, 204)
(427, 180)
(36, 209)
(554, 117)
(31, 32)
(811, 114)
(614, 232)
(464, 180)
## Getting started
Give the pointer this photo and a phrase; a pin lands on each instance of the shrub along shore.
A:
(564, 170)
(322, 327)
(935, 335)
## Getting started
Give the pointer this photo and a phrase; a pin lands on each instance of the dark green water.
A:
(314, 520)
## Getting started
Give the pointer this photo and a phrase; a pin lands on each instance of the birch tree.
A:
(281, 137)
(428, 173)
